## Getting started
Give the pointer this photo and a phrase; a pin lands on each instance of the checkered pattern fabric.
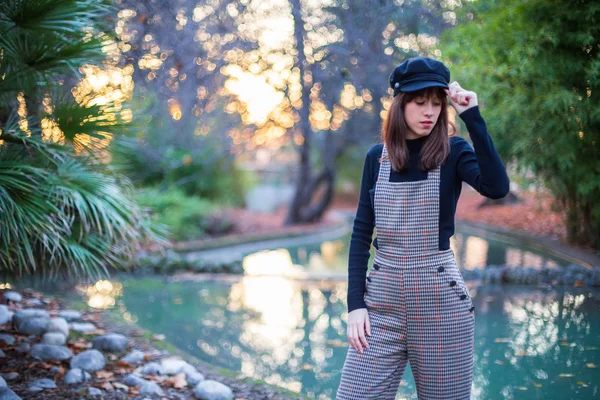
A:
(419, 307)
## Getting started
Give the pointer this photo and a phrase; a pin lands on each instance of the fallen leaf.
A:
(178, 381)
(499, 362)
(523, 353)
(590, 348)
(306, 367)
(590, 365)
(122, 363)
(521, 388)
(537, 384)
(158, 336)
(502, 340)
(59, 376)
(104, 374)
(106, 386)
(565, 343)
(121, 371)
(566, 375)
(121, 386)
(579, 283)
(147, 357)
(582, 383)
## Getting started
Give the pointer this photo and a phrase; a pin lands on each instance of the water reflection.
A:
(471, 252)
(102, 294)
(529, 343)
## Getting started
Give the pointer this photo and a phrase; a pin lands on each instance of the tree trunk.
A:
(301, 209)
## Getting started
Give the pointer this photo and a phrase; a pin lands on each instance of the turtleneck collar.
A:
(415, 145)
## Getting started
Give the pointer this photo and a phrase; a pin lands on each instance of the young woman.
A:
(414, 305)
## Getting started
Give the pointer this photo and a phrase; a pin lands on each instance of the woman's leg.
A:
(440, 332)
(376, 373)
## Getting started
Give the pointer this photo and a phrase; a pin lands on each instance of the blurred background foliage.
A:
(123, 112)
(536, 64)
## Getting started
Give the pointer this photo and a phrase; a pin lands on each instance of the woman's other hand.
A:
(461, 99)
(358, 325)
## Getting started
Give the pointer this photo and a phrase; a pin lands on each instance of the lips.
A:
(427, 123)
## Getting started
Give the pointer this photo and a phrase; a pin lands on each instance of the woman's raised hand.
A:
(461, 99)
(358, 325)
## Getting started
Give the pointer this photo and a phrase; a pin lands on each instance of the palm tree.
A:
(62, 211)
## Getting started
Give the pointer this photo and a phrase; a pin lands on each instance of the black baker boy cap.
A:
(418, 73)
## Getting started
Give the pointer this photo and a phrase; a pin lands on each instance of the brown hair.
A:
(394, 130)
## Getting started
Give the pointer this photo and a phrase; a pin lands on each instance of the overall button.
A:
(452, 283)
(376, 266)
(472, 309)
(463, 296)
(369, 278)
(441, 269)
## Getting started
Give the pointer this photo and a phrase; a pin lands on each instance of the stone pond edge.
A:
(115, 320)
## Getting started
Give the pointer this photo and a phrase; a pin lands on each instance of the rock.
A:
(54, 370)
(76, 375)
(89, 360)
(82, 326)
(58, 325)
(54, 338)
(212, 390)
(33, 325)
(48, 352)
(8, 339)
(34, 303)
(10, 375)
(40, 384)
(151, 368)
(151, 388)
(92, 391)
(2, 354)
(173, 366)
(13, 296)
(70, 315)
(3, 382)
(193, 378)
(112, 342)
(7, 394)
(133, 380)
(23, 348)
(4, 314)
(27, 313)
(135, 357)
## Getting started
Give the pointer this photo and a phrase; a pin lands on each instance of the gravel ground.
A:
(30, 369)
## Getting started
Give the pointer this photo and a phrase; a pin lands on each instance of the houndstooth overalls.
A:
(419, 307)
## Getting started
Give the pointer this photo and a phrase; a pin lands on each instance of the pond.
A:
(530, 342)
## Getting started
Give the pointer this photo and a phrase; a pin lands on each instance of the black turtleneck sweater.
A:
(478, 165)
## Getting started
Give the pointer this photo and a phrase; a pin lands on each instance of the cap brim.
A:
(414, 86)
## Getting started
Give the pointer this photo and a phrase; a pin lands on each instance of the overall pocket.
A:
(450, 275)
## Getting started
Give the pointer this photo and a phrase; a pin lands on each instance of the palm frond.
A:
(60, 16)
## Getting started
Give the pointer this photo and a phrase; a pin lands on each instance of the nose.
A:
(429, 109)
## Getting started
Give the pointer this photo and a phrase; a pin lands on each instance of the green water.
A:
(272, 324)
(530, 343)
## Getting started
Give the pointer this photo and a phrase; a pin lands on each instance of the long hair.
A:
(394, 131)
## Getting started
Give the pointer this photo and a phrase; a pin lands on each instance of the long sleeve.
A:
(362, 234)
(481, 167)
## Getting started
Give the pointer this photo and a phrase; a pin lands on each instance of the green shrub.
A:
(185, 217)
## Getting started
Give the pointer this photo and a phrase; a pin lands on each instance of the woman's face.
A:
(421, 114)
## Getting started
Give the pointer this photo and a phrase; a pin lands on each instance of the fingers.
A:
(354, 341)
(356, 336)
(368, 325)
(361, 336)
